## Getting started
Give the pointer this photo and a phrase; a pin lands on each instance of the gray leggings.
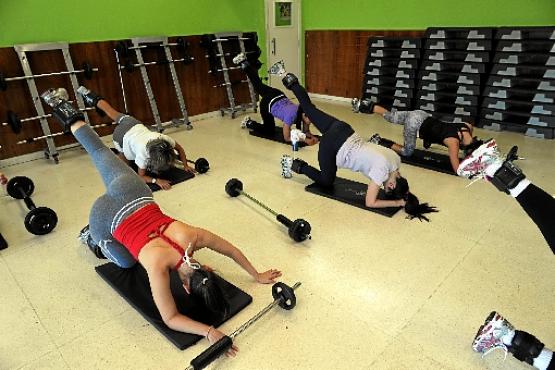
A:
(125, 193)
(411, 120)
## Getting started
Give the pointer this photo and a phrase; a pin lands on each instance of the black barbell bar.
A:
(86, 69)
(39, 220)
(15, 122)
(298, 230)
(231, 83)
(283, 295)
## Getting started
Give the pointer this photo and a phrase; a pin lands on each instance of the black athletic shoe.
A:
(366, 106)
(90, 99)
(289, 80)
(298, 165)
(64, 112)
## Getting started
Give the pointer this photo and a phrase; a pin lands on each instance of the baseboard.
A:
(338, 99)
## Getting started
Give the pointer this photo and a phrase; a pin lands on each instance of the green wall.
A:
(420, 14)
(34, 21)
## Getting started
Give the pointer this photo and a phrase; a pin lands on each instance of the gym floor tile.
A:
(377, 293)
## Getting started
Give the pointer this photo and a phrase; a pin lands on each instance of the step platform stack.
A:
(390, 71)
(520, 92)
(452, 73)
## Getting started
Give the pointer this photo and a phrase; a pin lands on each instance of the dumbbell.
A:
(201, 165)
(283, 295)
(299, 230)
(39, 220)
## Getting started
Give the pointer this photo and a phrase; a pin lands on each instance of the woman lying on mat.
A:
(129, 227)
(419, 123)
(341, 147)
(151, 151)
(274, 103)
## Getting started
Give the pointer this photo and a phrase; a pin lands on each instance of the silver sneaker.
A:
(53, 97)
(355, 103)
(278, 68)
(286, 162)
(239, 58)
(245, 121)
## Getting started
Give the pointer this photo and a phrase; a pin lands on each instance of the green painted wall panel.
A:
(420, 14)
(34, 21)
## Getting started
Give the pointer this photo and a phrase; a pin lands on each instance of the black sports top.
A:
(434, 131)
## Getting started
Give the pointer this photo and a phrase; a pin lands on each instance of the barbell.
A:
(33, 139)
(232, 83)
(123, 47)
(39, 220)
(15, 122)
(284, 296)
(298, 230)
(129, 66)
(86, 69)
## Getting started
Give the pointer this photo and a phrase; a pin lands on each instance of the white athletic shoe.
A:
(482, 163)
(375, 139)
(54, 97)
(355, 104)
(239, 58)
(286, 162)
(245, 121)
(490, 336)
(278, 68)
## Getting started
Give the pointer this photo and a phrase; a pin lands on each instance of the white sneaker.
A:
(53, 97)
(286, 162)
(355, 104)
(245, 121)
(482, 163)
(490, 336)
(239, 58)
(375, 139)
(278, 68)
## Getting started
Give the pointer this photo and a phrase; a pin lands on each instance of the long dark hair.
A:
(413, 208)
(161, 155)
(203, 284)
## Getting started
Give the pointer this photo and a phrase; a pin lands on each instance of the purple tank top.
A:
(285, 110)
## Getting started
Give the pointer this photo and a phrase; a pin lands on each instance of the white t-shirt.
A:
(373, 161)
(134, 144)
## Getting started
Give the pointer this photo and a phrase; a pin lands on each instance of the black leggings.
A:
(334, 134)
(540, 206)
(267, 93)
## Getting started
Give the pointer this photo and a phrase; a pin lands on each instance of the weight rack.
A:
(163, 42)
(239, 38)
(50, 151)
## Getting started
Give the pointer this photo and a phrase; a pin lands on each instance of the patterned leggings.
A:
(411, 120)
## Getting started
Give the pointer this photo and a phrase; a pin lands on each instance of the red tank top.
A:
(141, 227)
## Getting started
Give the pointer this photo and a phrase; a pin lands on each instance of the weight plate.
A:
(14, 122)
(41, 220)
(285, 294)
(233, 187)
(22, 182)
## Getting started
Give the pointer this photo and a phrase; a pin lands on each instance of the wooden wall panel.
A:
(196, 84)
(334, 59)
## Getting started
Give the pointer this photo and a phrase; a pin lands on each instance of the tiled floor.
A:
(377, 292)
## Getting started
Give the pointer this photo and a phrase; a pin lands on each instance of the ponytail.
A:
(413, 208)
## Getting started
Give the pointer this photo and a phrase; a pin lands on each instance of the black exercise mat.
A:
(132, 284)
(430, 160)
(174, 175)
(351, 192)
(276, 136)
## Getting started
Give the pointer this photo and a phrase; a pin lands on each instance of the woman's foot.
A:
(496, 332)
(278, 69)
(90, 98)
(63, 111)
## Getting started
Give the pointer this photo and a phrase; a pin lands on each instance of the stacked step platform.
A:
(452, 73)
(520, 91)
(390, 71)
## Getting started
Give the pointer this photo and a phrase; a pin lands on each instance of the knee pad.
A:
(507, 177)
(525, 347)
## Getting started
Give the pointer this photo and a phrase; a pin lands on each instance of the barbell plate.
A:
(3, 83)
(233, 187)
(285, 294)
(20, 182)
(122, 48)
(87, 70)
(14, 121)
(202, 165)
(299, 230)
(41, 220)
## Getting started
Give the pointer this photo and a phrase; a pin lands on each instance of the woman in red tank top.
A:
(128, 226)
